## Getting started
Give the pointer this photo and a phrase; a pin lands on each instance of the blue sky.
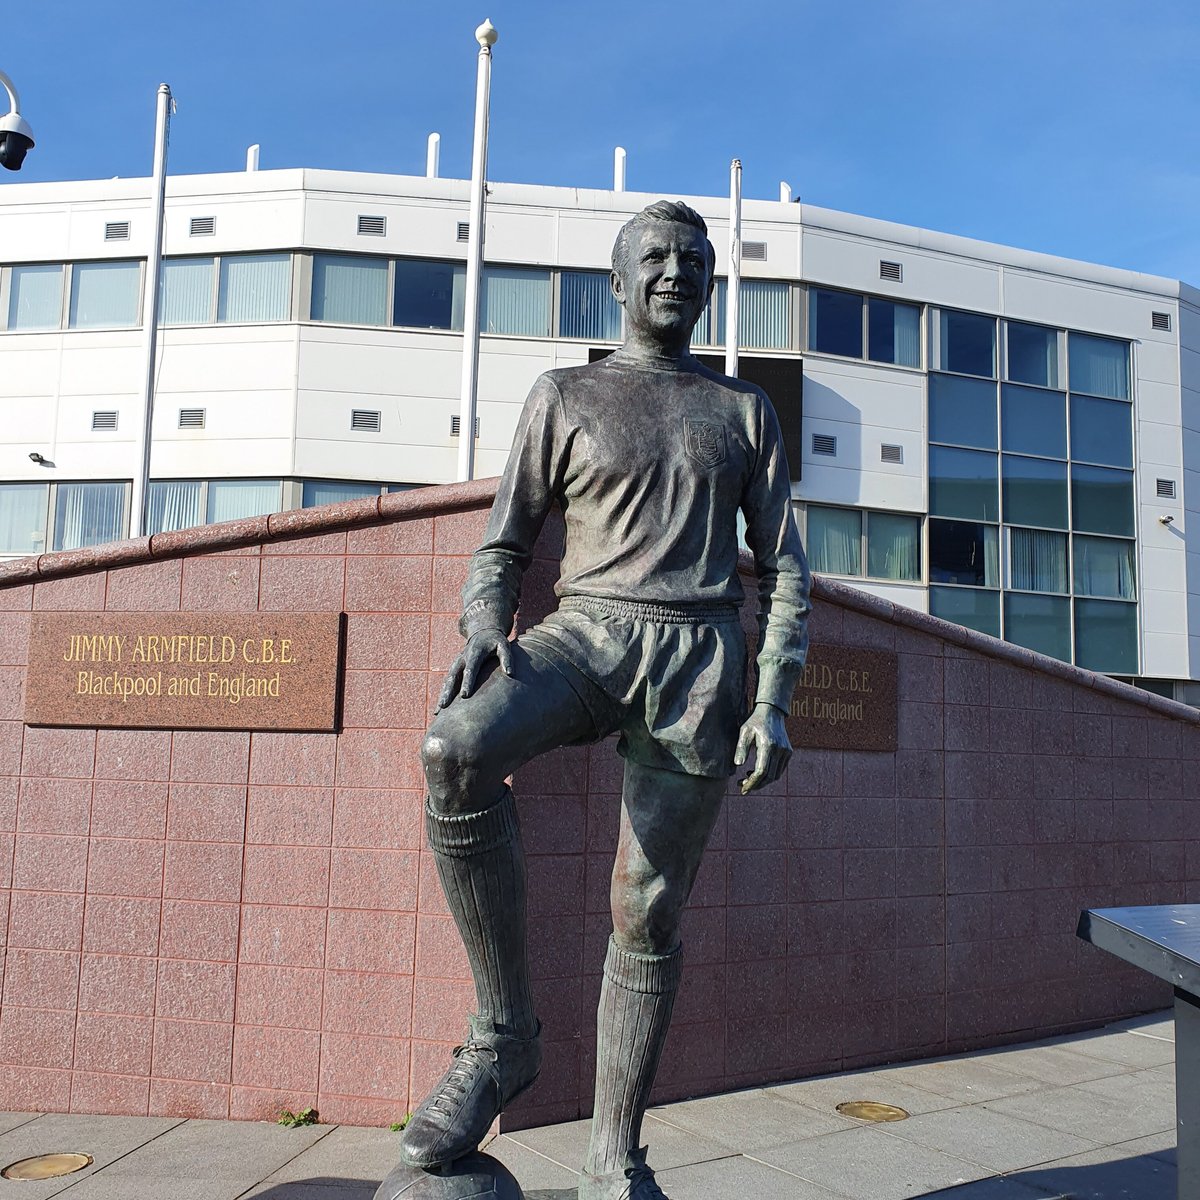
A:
(1066, 126)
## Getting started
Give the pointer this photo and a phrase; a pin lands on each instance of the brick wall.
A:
(225, 924)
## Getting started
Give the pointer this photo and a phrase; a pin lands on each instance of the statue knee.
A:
(451, 763)
(646, 914)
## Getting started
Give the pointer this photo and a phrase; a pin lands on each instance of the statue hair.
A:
(660, 210)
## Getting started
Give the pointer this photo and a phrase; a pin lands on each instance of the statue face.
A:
(667, 283)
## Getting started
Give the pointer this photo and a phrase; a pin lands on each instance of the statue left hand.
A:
(763, 732)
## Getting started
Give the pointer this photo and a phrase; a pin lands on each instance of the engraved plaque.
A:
(185, 670)
(845, 700)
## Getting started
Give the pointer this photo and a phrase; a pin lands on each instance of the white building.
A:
(1004, 438)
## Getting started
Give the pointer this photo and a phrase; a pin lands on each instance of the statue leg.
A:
(666, 820)
(471, 821)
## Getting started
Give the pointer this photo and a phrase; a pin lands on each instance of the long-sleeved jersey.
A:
(650, 463)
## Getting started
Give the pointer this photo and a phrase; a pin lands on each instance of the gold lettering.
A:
(285, 650)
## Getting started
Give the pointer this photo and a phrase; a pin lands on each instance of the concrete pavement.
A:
(1089, 1117)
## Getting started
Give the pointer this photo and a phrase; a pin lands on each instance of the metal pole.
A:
(486, 36)
(735, 267)
(432, 153)
(619, 169)
(252, 157)
(158, 194)
(785, 193)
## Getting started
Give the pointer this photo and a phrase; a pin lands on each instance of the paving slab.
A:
(966, 1080)
(999, 1187)
(747, 1121)
(988, 1138)
(732, 1177)
(1105, 1111)
(312, 1189)
(1054, 1065)
(867, 1164)
(357, 1155)
(1126, 1047)
(886, 1086)
(1107, 1173)
(534, 1171)
(10, 1121)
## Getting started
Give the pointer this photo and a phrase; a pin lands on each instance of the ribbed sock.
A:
(482, 868)
(636, 999)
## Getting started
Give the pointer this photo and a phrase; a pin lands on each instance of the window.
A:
(1102, 500)
(1106, 636)
(1034, 491)
(1098, 365)
(430, 295)
(349, 290)
(764, 315)
(587, 307)
(175, 504)
(963, 483)
(35, 297)
(186, 296)
(1105, 567)
(835, 322)
(105, 295)
(965, 553)
(232, 499)
(515, 301)
(967, 343)
(1037, 561)
(184, 503)
(1101, 431)
(967, 606)
(962, 412)
(23, 509)
(1033, 422)
(710, 328)
(332, 491)
(255, 287)
(893, 332)
(86, 514)
(1041, 623)
(1032, 354)
(840, 540)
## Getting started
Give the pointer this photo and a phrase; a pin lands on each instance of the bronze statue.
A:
(650, 456)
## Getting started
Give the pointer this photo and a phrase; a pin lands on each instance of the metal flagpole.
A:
(733, 292)
(486, 36)
(158, 194)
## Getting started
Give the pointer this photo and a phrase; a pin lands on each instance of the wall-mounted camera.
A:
(16, 138)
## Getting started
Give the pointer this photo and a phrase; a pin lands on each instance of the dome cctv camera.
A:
(16, 139)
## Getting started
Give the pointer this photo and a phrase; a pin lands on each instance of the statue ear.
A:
(618, 287)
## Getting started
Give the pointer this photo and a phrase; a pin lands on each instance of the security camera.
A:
(16, 138)
(34, 456)
(1166, 519)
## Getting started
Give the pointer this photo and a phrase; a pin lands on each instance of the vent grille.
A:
(824, 443)
(365, 419)
(1160, 320)
(202, 226)
(891, 270)
(372, 226)
(191, 418)
(754, 251)
(890, 453)
(116, 231)
(1165, 489)
(104, 420)
(464, 231)
(456, 426)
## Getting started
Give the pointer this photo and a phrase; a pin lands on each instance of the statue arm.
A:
(784, 581)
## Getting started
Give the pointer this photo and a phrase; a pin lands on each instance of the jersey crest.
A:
(705, 442)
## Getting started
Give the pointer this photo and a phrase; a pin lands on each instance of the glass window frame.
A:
(395, 261)
(47, 516)
(1060, 356)
(64, 297)
(805, 328)
(864, 541)
(204, 485)
(53, 499)
(935, 342)
(68, 283)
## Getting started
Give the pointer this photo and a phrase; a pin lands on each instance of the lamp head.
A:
(486, 34)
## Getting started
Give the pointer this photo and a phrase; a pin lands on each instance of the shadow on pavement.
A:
(1138, 1177)
(320, 1187)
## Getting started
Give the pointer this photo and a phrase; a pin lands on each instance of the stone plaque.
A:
(845, 700)
(185, 670)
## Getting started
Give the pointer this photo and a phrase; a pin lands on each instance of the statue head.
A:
(663, 274)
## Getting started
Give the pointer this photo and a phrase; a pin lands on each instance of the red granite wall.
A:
(224, 924)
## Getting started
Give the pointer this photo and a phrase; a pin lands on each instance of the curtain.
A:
(36, 298)
(991, 556)
(351, 291)
(105, 295)
(333, 491)
(709, 327)
(765, 317)
(255, 287)
(23, 517)
(1098, 366)
(87, 514)
(1038, 560)
(1105, 567)
(907, 335)
(186, 296)
(232, 499)
(893, 546)
(587, 308)
(835, 540)
(516, 302)
(173, 504)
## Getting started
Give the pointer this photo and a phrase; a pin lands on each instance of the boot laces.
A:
(470, 1058)
(642, 1184)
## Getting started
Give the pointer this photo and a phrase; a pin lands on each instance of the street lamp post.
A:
(486, 36)
(158, 195)
(16, 138)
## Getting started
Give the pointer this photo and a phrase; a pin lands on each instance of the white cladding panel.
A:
(1081, 304)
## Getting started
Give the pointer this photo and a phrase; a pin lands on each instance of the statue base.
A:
(473, 1177)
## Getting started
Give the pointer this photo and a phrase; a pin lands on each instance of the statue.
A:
(650, 455)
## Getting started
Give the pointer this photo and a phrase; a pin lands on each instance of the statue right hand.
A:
(481, 646)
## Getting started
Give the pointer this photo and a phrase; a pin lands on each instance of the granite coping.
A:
(444, 499)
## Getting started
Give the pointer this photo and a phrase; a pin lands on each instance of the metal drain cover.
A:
(46, 1166)
(871, 1110)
